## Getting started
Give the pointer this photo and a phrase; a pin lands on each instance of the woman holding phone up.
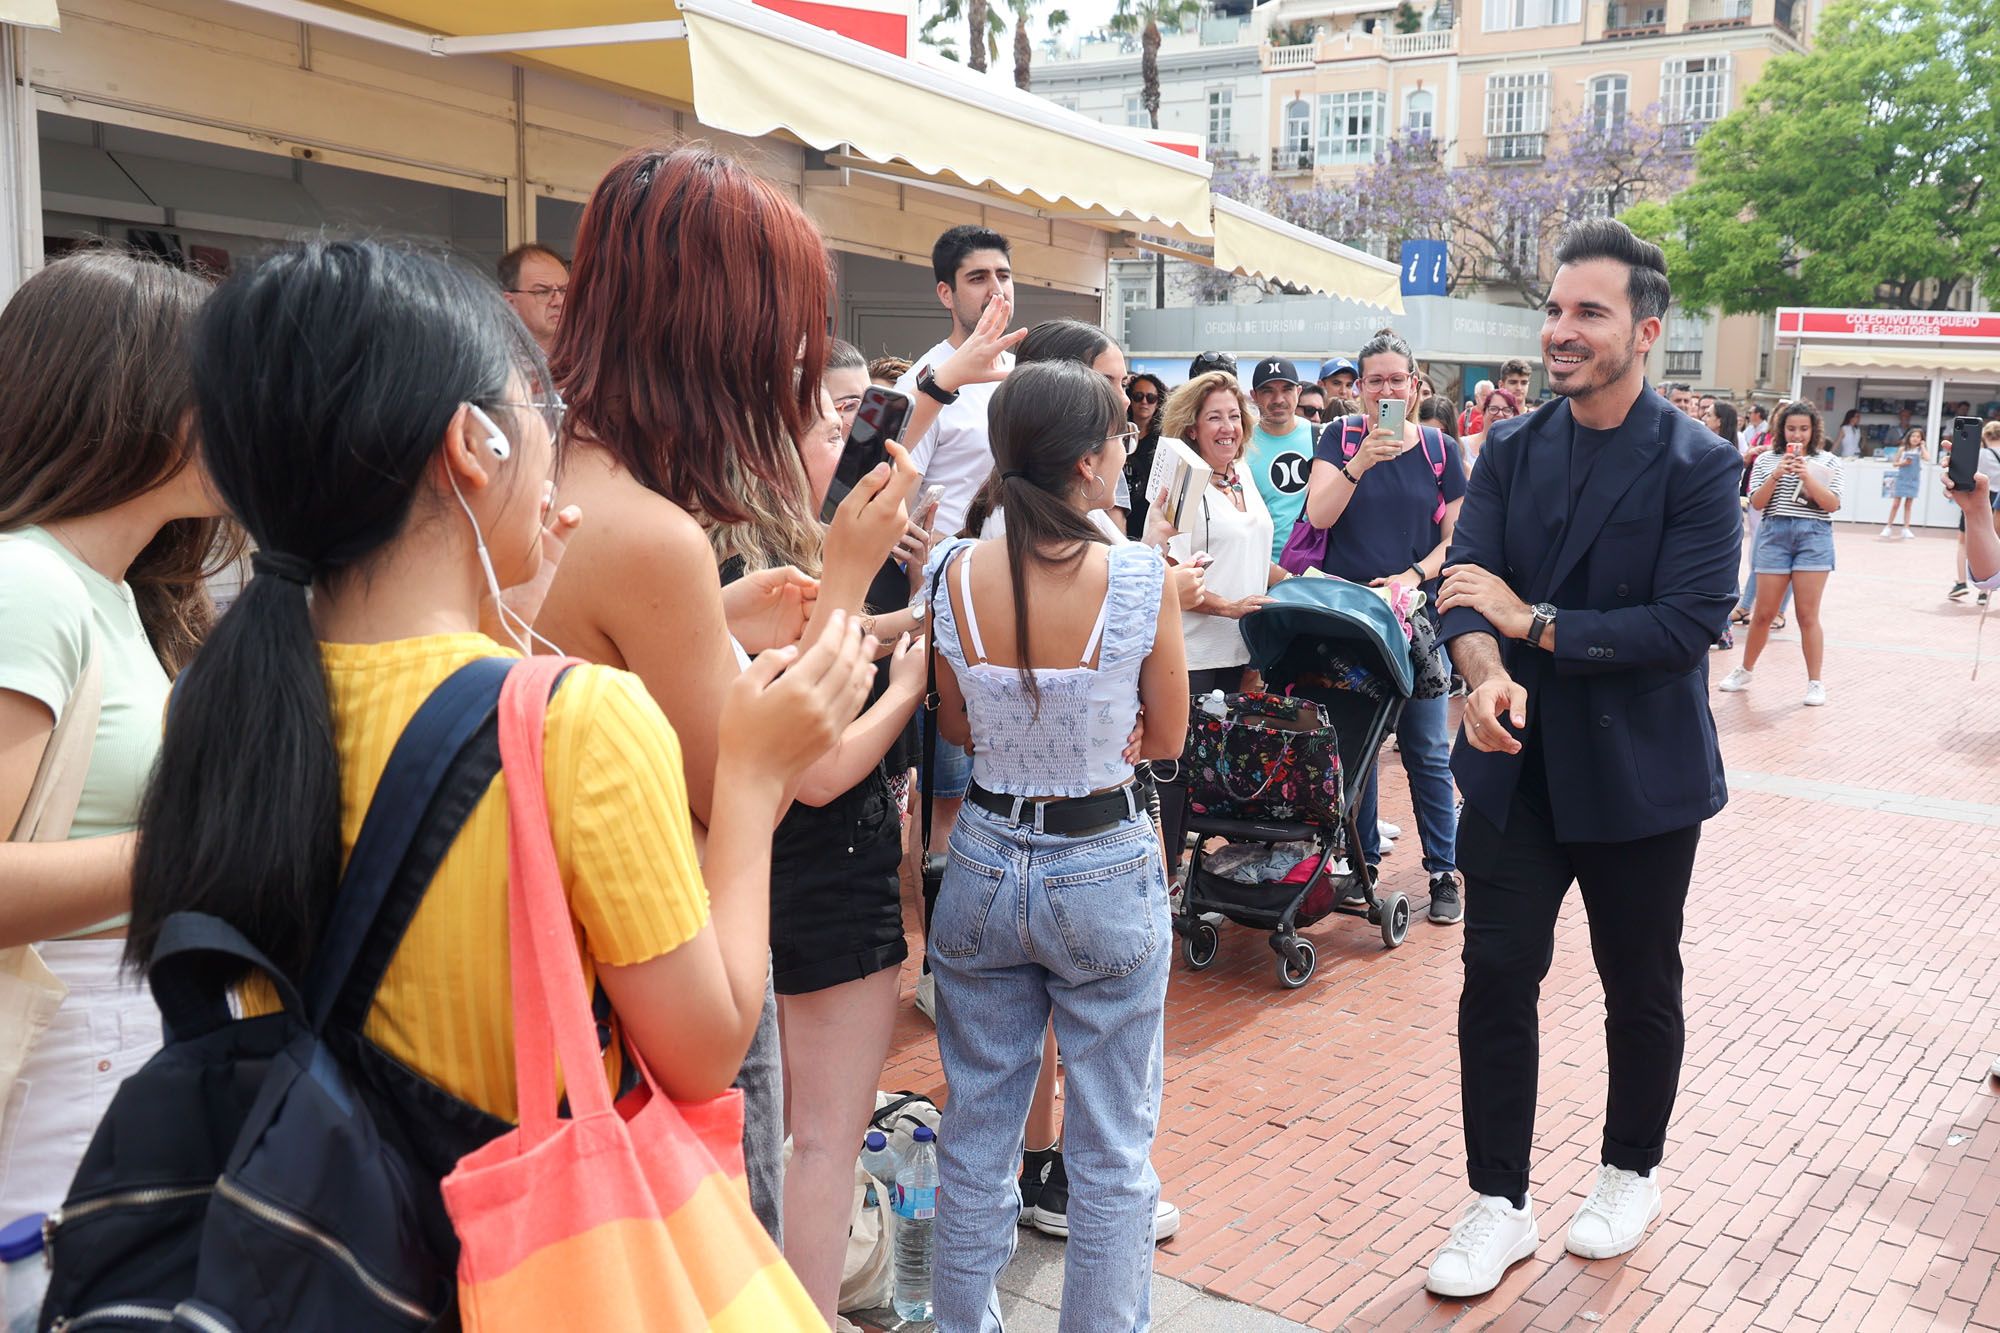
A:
(1389, 507)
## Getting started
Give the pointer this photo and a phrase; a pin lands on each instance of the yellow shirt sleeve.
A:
(627, 851)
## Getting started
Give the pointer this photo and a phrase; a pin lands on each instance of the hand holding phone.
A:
(880, 419)
(1391, 415)
(1963, 470)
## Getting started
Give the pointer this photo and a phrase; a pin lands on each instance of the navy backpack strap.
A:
(196, 961)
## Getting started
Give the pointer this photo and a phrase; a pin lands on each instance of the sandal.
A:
(1739, 617)
(1779, 623)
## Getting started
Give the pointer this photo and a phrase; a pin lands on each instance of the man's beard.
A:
(1582, 383)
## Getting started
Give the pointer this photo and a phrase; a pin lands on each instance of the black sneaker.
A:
(1037, 1165)
(1446, 907)
(1050, 1214)
(1983, 597)
(1959, 590)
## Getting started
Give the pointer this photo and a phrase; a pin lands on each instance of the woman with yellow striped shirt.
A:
(371, 417)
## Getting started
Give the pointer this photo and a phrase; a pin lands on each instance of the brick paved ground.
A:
(1835, 1159)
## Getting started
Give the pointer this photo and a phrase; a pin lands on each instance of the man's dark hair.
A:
(1673, 386)
(1208, 361)
(952, 248)
(1608, 238)
(1514, 365)
(1312, 386)
(510, 264)
(844, 355)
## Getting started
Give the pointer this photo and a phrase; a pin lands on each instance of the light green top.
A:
(54, 610)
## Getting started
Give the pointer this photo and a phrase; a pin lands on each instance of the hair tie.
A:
(288, 568)
(1013, 472)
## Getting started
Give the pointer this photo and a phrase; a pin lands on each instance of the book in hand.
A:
(1179, 471)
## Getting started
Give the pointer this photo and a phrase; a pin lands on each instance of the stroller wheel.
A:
(1200, 945)
(1296, 964)
(1395, 919)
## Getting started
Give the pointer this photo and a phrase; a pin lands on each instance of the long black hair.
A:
(1051, 340)
(325, 377)
(1044, 419)
(1725, 418)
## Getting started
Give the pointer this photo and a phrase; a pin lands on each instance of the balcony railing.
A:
(1515, 147)
(1684, 364)
(1288, 161)
(1355, 45)
(1718, 14)
(1635, 20)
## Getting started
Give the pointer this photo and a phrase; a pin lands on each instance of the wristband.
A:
(1352, 480)
(928, 386)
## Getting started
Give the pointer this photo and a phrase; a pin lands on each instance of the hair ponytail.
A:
(325, 376)
(1045, 418)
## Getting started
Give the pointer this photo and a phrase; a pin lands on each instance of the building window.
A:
(1508, 15)
(1131, 300)
(1297, 145)
(1420, 114)
(1520, 243)
(1610, 95)
(1135, 112)
(1219, 108)
(1600, 201)
(1695, 94)
(1517, 116)
(1350, 125)
(1686, 335)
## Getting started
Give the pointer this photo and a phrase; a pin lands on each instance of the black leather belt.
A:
(1064, 814)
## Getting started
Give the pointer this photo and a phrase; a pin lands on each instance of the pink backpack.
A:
(1306, 547)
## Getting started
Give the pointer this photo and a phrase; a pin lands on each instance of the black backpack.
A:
(281, 1172)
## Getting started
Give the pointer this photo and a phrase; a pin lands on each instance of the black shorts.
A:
(836, 903)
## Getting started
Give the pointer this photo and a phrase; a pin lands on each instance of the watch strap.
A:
(928, 386)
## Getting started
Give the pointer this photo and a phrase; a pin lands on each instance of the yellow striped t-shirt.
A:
(618, 809)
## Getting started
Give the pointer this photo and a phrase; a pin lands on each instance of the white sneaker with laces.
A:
(1388, 830)
(1815, 694)
(1492, 1237)
(1737, 681)
(1614, 1218)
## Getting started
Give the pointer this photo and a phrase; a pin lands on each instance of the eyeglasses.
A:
(551, 407)
(1147, 398)
(847, 403)
(1386, 383)
(542, 294)
(1309, 412)
(1127, 437)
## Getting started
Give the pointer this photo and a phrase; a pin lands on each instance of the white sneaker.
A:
(1737, 681)
(927, 997)
(1909, 536)
(1888, 534)
(1815, 694)
(1388, 830)
(1492, 1237)
(1615, 1216)
(1166, 1221)
(1995, 1071)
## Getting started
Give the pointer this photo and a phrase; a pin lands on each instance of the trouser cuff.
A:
(1506, 1184)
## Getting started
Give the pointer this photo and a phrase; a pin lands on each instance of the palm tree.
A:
(1147, 17)
(1024, 52)
(979, 16)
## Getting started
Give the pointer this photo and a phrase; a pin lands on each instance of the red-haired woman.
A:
(690, 358)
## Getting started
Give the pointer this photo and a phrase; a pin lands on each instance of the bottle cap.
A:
(924, 1135)
(874, 1142)
(21, 1237)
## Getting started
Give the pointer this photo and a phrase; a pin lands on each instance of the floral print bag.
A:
(1264, 757)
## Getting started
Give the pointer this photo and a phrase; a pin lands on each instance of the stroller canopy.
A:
(1328, 608)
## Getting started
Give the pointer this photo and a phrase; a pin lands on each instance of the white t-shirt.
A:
(954, 452)
(1240, 542)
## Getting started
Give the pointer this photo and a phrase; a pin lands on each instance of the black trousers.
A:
(1634, 894)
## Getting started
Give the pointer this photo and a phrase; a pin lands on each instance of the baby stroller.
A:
(1337, 662)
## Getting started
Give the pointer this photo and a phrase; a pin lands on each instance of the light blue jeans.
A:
(1424, 737)
(1032, 926)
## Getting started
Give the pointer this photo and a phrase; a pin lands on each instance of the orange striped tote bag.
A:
(626, 1218)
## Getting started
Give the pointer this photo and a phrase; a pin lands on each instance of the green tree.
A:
(1024, 51)
(1147, 17)
(1859, 173)
(978, 16)
(1407, 18)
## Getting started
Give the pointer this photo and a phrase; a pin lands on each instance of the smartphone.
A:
(1964, 469)
(880, 419)
(1792, 448)
(1392, 413)
(927, 507)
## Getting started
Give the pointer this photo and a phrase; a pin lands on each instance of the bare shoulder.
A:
(623, 518)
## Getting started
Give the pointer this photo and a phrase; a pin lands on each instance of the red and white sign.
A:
(1809, 324)
(885, 25)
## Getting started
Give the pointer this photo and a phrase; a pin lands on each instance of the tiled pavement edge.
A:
(1835, 1156)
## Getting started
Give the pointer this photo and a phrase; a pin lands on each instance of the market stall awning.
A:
(30, 13)
(749, 70)
(1255, 244)
(1910, 360)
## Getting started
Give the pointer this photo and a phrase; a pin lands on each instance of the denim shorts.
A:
(1793, 546)
(954, 772)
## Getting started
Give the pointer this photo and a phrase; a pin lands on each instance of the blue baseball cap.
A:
(1328, 369)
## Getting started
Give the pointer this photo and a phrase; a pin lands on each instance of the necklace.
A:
(1227, 480)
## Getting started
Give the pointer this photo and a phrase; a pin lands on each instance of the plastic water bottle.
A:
(25, 1275)
(915, 1203)
(878, 1159)
(1214, 704)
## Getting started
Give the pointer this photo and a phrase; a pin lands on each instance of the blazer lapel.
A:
(1636, 447)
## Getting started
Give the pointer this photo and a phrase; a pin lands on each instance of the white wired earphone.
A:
(502, 449)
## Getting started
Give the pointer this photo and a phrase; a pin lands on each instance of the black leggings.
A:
(1173, 795)
(1634, 893)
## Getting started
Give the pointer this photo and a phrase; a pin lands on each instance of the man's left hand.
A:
(1488, 594)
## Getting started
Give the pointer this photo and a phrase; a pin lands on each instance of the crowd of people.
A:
(633, 454)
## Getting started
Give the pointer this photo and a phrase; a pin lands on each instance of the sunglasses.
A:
(1147, 398)
(1310, 412)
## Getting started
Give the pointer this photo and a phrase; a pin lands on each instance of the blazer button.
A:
(1610, 653)
(1604, 721)
(1624, 591)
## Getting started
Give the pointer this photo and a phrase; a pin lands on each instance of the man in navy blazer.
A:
(1593, 564)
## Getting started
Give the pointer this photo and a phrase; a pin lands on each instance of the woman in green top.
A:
(107, 529)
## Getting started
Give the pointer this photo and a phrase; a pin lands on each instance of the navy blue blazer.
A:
(1650, 561)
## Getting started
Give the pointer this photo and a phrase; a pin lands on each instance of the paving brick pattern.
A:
(1834, 1160)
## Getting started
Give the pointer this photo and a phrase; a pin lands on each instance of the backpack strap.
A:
(441, 767)
(1353, 430)
(1424, 436)
(196, 960)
